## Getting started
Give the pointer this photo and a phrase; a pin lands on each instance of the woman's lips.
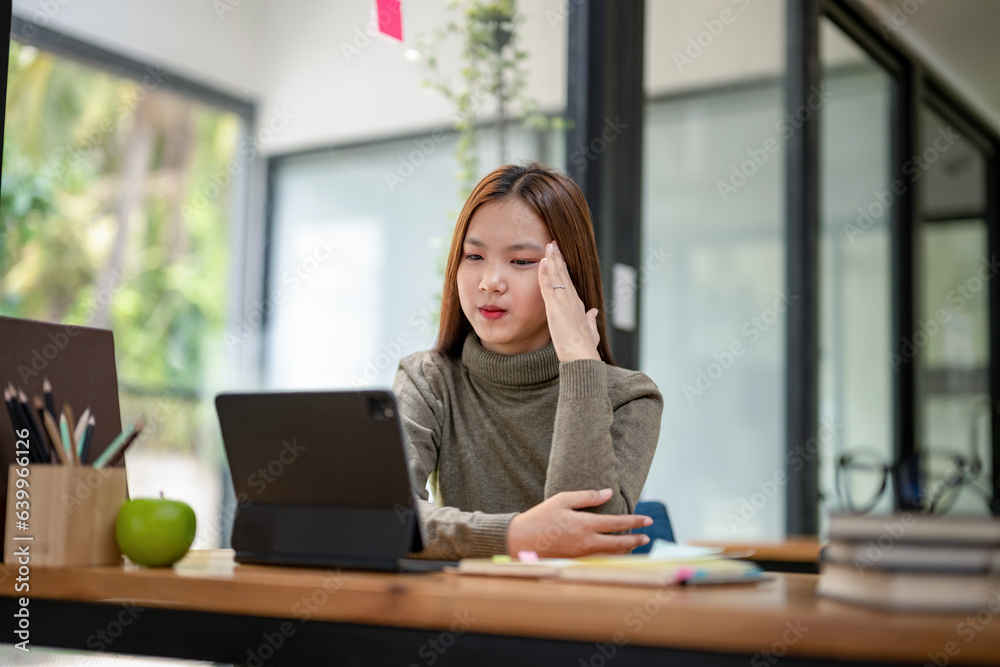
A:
(492, 313)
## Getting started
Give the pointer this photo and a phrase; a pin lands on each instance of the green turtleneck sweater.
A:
(497, 434)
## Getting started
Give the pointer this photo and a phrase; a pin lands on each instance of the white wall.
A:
(187, 36)
(694, 44)
(292, 55)
(312, 59)
(345, 85)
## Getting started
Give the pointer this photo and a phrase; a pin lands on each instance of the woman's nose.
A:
(493, 280)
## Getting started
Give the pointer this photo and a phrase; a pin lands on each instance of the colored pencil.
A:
(70, 417)
(88, 435)
(39, 442)
(9, 402)
(116, 450)
(16, 417)
(67, 440)
(39, 412)
(81, 426)
(70, 424)
(57, 445)
(50, 402)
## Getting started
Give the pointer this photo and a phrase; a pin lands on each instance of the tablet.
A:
(320, 479)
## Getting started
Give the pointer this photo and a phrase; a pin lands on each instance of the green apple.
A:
(154, 531)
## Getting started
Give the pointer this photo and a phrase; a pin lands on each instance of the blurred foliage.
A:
(109, 215)
(493, 68)
(171, 418)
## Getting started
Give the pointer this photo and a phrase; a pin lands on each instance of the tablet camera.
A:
(380, 409)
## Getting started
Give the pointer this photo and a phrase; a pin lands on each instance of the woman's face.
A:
(498, 277)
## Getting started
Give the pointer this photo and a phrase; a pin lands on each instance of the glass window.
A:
(355, 233)
(855, 371)
(712, 279)
(951, 343)
(116, 200)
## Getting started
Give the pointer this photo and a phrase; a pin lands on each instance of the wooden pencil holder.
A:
(71, 515)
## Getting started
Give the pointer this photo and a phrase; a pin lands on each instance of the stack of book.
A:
(912, 562)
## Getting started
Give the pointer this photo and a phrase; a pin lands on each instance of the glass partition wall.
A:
(713, 292)
(951, 341)
(902, 336)
(907, 218)
(855, 214)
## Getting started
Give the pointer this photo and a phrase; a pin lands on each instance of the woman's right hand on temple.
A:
(554, 529)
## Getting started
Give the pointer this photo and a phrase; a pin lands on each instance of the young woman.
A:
(520, 416)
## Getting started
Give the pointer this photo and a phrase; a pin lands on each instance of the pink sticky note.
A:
(527, 556)
(683, 574)
(390, 19)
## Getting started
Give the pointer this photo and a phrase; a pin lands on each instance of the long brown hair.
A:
(558, 202)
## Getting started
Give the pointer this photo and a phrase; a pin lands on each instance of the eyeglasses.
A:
(924, 481)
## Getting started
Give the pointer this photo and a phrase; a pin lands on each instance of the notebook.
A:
(320, 480)
(666, 564)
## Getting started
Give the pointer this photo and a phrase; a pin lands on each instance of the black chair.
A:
(660, 528)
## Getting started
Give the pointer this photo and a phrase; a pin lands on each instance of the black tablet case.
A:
(320, 479)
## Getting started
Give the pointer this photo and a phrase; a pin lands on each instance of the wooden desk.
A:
(794, 554)
(209, 609)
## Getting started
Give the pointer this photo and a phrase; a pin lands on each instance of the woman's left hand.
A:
(573, 330)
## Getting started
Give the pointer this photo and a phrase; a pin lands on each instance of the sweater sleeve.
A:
(601, 443)
(449, 533)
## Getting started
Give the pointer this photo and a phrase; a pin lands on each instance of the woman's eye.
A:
(473, 257)
(524, 262)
